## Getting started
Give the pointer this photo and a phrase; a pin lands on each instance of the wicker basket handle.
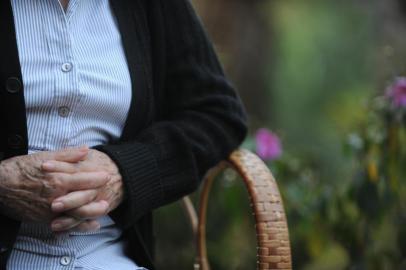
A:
(273, 250)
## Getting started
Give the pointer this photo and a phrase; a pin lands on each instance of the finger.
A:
(91, 210)
(59, 166)
(87, 226)
(64, 223)
(74, 200)
(80, 180)
(71, 154)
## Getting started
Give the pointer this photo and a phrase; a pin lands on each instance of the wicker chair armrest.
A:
(273, 245)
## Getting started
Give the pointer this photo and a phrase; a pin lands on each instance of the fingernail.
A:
(105, 203)
(57, 206)
(48, 165)
(56, 226)
(84, 148)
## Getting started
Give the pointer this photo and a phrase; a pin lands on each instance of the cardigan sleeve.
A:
(204, 121)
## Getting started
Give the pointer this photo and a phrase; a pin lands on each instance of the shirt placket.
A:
(66, 92)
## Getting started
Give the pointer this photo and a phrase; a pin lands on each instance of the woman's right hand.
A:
(26, 192)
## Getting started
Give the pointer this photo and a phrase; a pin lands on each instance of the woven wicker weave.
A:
(273, 245)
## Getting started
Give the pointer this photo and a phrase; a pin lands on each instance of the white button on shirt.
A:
(63, 111)
(77, 91)
(65, 260)
(66, 67)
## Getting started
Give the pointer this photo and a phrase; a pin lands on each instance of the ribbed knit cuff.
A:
(142, 185)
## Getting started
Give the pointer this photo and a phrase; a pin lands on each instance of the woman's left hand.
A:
(81, 208)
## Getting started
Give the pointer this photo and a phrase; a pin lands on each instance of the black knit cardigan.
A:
(184, 115)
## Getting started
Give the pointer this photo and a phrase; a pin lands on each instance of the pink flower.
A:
(268, 144)
(397, 92)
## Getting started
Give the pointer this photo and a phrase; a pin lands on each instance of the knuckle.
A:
(104, 176)
(55, 180)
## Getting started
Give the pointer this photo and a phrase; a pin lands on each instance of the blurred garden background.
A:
(322, 83)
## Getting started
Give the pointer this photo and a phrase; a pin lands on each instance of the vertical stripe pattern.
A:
(76, 80)
(77, 92)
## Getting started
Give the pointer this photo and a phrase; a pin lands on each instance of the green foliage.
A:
(362, 224)
(345, 204)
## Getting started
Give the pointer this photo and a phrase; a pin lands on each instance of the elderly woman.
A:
(109, 110)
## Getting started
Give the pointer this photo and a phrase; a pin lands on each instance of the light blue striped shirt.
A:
(77, 92)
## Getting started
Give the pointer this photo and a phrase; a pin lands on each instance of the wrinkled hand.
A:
(26, 192)
(81, 208)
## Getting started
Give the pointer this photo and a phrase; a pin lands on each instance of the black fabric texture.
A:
(184, 117)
